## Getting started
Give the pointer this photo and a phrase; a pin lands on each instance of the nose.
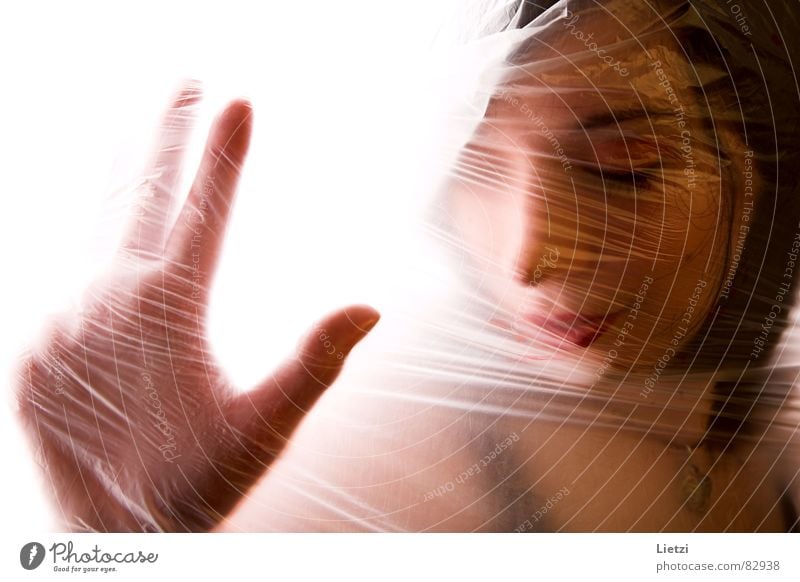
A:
(550, 236)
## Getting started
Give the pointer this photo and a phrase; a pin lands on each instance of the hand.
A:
(137, 426)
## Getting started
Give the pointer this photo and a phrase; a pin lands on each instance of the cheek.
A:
(686, 272)
(492, 225)
(605, 244)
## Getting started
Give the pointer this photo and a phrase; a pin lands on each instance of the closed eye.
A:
(616, 178)
(638, 179)
(619, 162)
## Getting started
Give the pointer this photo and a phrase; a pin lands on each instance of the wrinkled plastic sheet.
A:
(617, 350)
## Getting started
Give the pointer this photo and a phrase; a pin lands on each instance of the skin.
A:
(576, 246)
(373, 469)
(513, 203)
(565, 254)
(559, 247)
(161, 440)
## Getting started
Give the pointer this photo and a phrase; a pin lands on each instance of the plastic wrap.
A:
(617, 351)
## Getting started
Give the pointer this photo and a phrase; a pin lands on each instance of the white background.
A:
(344, 150)
(403, 557)
(343, 142)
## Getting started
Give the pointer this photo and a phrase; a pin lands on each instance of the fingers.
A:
(147, 229)
(323, 351)
(270, 412)
(260, 422)
(196, 239)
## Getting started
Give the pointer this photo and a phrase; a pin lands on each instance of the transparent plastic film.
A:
(136, 422)
(616, 349)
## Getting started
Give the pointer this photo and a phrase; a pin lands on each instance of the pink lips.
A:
(581, 330)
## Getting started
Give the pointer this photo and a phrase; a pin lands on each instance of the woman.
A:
(626, 233)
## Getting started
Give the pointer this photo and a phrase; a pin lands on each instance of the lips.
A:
(578, 329)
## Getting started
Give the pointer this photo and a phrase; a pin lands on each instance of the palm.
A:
(136, 422)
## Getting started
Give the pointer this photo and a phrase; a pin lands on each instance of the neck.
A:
(679, 409)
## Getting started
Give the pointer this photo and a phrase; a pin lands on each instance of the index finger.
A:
(196, 239)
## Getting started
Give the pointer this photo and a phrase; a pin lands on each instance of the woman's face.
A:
(590, 195)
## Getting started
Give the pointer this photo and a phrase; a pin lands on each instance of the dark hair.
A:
(754, 93)
(745, 81)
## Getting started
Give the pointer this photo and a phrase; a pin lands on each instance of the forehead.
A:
(579, 68)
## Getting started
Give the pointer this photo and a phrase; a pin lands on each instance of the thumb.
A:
(260, 422)
(322, 352)
(277, 405)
